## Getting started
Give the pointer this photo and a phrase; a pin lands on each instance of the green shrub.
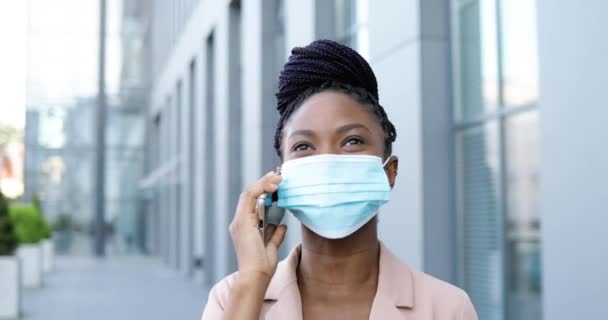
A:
(30, 226)
(8, 239)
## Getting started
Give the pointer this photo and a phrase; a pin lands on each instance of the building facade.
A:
(61, 119)
(475, 203)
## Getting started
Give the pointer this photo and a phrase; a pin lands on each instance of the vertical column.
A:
(159, 194)
(256, 86)
(395, 57)
(209, 158)
(409, 51)
(221, 130)
(189, 172)
(300, 30)
(172, 181)
(299, 23)
(439, 215)
(252, 83)
(100, 152)
(200, 212)
(179, 204)
(186, 173)
(165, 196)
(147, 202)
(260, 22)
(235, 143)
(156, 186)
(573, 75)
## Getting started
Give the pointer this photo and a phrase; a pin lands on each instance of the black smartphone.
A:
(268, 213)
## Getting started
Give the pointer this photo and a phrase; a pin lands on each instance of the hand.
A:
(256, 260)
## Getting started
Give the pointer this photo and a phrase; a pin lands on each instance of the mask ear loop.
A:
(386, 161)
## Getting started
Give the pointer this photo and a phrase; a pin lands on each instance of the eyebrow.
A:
(303, 132)
(352, 126)
(342, 129)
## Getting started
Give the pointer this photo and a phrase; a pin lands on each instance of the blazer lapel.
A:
(288, 306)
(282, 299)
(395, 287)
(384, 308)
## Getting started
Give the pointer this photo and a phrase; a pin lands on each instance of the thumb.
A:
(278, 236)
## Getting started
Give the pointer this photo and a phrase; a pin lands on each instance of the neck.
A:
(348, 263)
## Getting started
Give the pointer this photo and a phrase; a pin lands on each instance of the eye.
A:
(353, 141)
(301, 147)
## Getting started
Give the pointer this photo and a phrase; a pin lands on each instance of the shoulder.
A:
(283, 277)
(442, 297)
(431, 287)
(422, 295)
(218, 297)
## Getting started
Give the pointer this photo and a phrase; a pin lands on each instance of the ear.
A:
(391, 170)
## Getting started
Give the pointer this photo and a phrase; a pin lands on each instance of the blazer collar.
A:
(282, 297)
(395, 280)
(285, 275)
(395, 285)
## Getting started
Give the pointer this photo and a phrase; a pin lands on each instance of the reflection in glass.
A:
(351, 18)
(496, 68)
(63, 44)
(523, 217)
(478, 203)
(477, 58)
(519, 51)
(346, 16)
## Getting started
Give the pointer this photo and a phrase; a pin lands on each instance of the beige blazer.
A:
(403, 293)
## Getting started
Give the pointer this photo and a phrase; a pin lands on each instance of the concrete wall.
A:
(574, 157)
(409, 51)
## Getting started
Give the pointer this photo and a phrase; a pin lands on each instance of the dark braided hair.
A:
(327, 65)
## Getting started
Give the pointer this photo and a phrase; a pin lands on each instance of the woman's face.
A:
(332, 122)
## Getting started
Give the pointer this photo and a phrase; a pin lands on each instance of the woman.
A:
(334, 140)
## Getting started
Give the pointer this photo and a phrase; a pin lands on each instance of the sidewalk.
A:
(115, 288)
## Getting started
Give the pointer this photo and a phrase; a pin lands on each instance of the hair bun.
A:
(320, 62)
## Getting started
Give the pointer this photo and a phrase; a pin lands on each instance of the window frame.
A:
(500, 116)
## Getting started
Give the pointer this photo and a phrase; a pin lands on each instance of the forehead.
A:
(327, 110)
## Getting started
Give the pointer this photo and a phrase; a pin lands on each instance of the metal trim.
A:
(495, 115)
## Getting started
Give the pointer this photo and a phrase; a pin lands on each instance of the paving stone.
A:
(113, 288)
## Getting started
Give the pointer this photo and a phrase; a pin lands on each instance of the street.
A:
(115, 288)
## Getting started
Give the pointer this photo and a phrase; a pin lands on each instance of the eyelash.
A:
(298, 145)
(359, 140)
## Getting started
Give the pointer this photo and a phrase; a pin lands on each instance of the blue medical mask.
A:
(334, 195)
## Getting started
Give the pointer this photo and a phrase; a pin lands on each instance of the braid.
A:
(327, 65)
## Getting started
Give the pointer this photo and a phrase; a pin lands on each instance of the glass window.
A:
(477, 59)
(519, 51)
(497, 56)
(523, 216)
(496, 86)
(479, 203)
(351, 24)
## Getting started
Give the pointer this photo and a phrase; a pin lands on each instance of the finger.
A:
(266, 184)
(278, 236)
(268, 232)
